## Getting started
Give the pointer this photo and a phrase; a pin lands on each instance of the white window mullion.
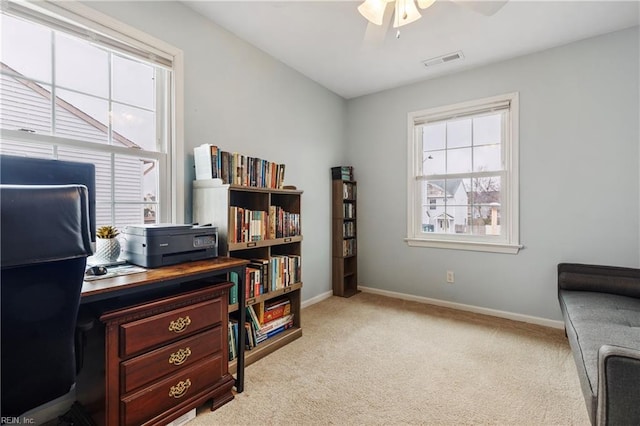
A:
(54, 95)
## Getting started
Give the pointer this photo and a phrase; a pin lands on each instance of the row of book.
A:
(348, 229)
(348, 191)
(349, 247)
(349, 210)
(265, 275)
(212, 162)
(255, 225)
(342, 173)
(264, 320)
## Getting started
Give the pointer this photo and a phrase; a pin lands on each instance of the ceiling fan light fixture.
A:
(373, 10)
(406, 13)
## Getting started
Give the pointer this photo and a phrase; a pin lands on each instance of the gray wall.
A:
(579, 156)
(243, 100)
(579, 182)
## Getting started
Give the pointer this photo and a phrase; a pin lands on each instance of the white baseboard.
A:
(469, 308)
(318, 298)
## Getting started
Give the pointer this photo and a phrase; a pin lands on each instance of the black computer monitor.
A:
(36, 171)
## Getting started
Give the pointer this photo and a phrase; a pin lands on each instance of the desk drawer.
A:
(146, 333)
(169, 359)
(154, 399)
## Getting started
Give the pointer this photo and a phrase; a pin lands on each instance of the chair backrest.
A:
(45, 241)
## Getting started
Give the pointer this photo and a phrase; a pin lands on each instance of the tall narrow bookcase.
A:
(344, 236)
(272, 234)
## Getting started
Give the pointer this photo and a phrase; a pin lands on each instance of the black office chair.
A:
(46, 239)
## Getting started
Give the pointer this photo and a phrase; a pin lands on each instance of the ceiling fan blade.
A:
(374, 35)
(486, 8)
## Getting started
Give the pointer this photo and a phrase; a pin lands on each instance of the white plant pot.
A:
(107, 249)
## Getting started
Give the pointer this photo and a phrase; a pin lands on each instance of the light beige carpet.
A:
(373, 360)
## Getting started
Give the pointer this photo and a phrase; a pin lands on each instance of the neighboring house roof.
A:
(45, 94)
(443, 188)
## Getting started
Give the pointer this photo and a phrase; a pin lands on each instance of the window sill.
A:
(504, 248)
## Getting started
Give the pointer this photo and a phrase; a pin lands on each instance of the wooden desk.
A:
(188, 287)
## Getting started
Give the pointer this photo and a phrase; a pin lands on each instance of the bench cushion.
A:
(592, 320)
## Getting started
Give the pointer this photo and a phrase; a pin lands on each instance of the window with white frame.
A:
(463, 176)
(74, 91)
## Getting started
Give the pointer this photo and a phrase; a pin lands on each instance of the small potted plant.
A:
(107, 245)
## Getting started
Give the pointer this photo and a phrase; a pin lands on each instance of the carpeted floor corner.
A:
(374, 360)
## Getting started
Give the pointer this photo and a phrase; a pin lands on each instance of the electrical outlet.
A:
(450, 277)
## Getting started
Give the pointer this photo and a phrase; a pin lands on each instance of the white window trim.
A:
(416, 238)
(173, 188)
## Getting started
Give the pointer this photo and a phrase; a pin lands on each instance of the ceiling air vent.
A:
(449, 57)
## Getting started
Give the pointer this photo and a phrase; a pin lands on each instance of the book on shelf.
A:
(237, 169)
(285, 270)
(342, 173)
(349, 247)
(348, 211)
(254, 285)
(233, 337)
(274, 309)
(269, 329)
(247, 225)
(348, 191)
(232, 341)
(263, 266)
(233, 291)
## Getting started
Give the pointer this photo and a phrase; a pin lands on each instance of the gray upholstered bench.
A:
(601, 310)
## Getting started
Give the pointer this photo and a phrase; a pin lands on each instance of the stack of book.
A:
(213, 163)
(264, 320)
(342, 173)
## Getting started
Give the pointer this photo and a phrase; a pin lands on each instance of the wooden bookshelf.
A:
(222, 205)
(344, 237)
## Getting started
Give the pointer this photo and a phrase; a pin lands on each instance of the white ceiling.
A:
(324, 40)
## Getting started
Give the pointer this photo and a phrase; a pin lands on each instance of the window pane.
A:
(136, 181)
(433, 163)
(151, 188)
(81, 66)
(137, 126)
(487, 129)
(25, 105)
(133, 82)
(459, 160)
(445, 205)
(459, 133)
(128, 179)
(434, 136)
(20, 36)
(82, 117)
(102, 162)
(455, 219)
(485, 210)
(26, 150)
(487, 158)
(129, 214)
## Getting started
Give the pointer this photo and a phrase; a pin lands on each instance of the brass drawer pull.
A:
(180, 356)
(180, 390)
(180, 325)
